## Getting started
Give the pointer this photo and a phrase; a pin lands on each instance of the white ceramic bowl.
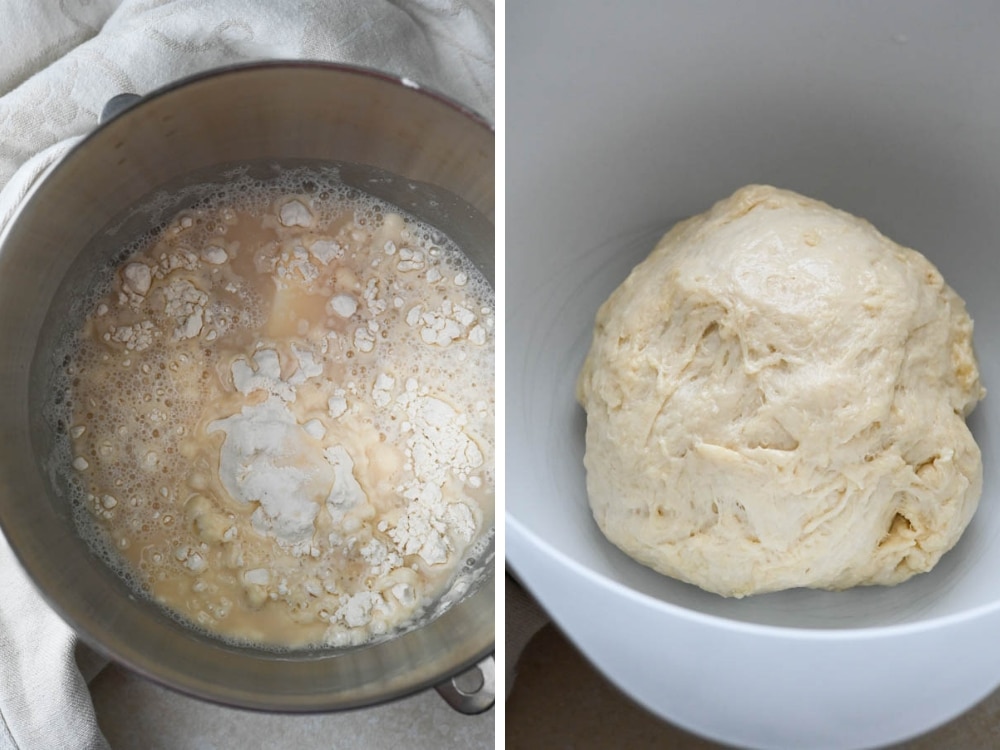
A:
(621, 121)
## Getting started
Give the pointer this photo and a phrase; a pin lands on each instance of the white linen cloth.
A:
(60, 61)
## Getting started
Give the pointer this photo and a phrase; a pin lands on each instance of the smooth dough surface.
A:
(776, 397)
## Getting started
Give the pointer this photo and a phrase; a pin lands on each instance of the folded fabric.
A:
(61, 63)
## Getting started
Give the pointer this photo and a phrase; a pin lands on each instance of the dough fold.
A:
(776, 397)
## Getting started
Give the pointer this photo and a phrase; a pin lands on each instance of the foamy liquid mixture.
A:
(281, 415)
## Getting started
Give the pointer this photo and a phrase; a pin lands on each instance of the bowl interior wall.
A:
(888, 114)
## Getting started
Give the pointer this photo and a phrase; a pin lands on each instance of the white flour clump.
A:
(346, 493)
(431, 524)
(437, 444)
(266, 459)
(266, 376)
(437, 447)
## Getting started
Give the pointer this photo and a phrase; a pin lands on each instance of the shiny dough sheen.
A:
(776, 397)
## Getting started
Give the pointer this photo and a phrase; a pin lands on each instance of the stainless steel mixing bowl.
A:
(411, 147)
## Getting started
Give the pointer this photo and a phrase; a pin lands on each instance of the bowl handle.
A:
(472, 691)
(116, 105)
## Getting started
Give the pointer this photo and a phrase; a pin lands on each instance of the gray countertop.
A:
(135, 714)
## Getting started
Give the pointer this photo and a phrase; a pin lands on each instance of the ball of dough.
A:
(776, 397)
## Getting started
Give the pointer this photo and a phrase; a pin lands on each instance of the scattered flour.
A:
(311, 409)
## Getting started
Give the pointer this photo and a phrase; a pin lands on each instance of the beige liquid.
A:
(282, 418)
